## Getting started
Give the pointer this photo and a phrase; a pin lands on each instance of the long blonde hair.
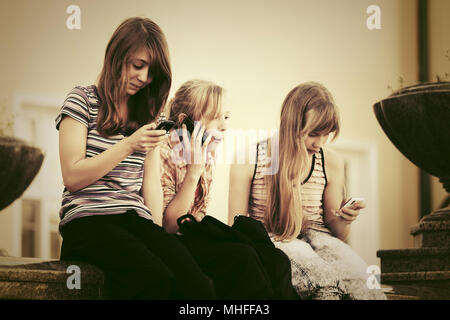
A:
(308, 107)
(198, 99)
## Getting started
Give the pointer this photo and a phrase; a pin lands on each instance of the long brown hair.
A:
(308, 107)
(131, 36)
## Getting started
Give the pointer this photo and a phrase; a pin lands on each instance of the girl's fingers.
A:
(350, 212)
(346, 214)
(149, 126)
(360, 205)
(153, 141)
(156, 133)
(155, 138)
(206, 143)
(185, 141)
(197, 127)
(199, 137)
(343, 215)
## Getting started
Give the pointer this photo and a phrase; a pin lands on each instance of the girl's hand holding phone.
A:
(195, 152)
(146, 138)
(350, 208)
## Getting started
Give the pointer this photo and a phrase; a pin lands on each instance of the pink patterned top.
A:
(173, 172)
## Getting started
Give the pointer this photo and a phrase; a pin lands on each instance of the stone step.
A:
(37, 279)
(394, 296)
(434, 285)
(415, 259)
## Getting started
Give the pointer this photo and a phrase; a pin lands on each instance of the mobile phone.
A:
(165, 125)
(190, 128)
(351, 202)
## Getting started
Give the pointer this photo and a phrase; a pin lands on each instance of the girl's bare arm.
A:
(338, 220)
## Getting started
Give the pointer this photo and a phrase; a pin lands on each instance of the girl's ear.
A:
(181, 117)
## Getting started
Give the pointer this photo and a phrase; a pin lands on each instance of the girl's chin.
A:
(131, 92)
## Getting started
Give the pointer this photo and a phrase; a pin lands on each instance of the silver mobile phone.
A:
(351, 202)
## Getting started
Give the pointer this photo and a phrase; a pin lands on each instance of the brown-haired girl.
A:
(110, 162)
(296, 189)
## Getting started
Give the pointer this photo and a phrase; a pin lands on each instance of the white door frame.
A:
(20, 128)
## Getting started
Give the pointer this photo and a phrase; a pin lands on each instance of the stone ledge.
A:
(415, 276)
(430, 226)
(414, 252)
(29, 278)
(415, 260)
(395, 296)
(423, 285)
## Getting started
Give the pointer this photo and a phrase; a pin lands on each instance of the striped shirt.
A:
(173, 172)
(311, 190)
(117, 191)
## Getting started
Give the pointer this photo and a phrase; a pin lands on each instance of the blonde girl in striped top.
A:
(296, 189)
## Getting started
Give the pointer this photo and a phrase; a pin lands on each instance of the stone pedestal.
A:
(416, 120)
(37, 279)
(423, 271)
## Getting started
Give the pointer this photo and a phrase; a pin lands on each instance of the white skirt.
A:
(326, 268)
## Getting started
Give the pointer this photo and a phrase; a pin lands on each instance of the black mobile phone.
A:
(190, 128)
(165, 125)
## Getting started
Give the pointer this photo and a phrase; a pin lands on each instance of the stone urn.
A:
(19, 164)
(417, 121)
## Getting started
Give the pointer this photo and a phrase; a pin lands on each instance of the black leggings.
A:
(140, 259)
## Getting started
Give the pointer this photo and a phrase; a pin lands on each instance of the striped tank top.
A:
(311, 190)
(117, 191)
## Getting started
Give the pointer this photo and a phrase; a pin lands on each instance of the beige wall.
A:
(258, 50)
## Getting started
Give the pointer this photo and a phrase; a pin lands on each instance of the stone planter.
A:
(417, 121)
(19, 164)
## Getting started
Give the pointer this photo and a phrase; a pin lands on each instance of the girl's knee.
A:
(157, 281)
(242, 253)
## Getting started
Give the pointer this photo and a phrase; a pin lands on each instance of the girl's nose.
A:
(320, 141)
(223, 126)
(143, 75)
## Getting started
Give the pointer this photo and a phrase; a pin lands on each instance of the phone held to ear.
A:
(190, 128)
(165, 125)
(350, 202)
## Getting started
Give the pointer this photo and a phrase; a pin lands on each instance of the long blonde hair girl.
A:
(201, 101)
(309, 107)
(198, 99)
